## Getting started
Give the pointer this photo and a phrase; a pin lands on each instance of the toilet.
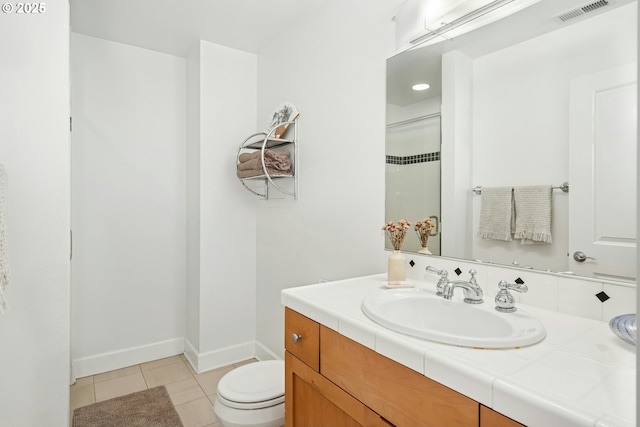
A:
(252, 395)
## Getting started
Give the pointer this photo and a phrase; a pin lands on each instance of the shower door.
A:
(413, 176)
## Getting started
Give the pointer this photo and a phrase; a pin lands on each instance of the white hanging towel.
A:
(533, 214)
(496, 213)
(4, 262)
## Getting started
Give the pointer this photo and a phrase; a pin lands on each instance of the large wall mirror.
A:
(527, 100)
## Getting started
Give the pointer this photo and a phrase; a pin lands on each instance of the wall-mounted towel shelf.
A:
(564, 187)
(260, 181)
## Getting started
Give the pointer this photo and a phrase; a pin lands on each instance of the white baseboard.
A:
(225, 356)
(263, 353)
(191, 354)
(207, 361)
(126, 357)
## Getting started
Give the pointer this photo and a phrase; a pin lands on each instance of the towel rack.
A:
(261, 141)
(564, 187)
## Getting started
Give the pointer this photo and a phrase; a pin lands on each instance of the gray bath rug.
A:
(147, 408)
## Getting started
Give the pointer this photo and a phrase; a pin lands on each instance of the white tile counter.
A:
(581, 374)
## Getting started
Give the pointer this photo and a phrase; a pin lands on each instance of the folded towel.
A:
(257, 172)
(244, 157)
(4, 262)
(272, 155)
(496, 213)
(533, 214)
(278, 160)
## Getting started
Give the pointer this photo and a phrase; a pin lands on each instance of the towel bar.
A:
(564, 187)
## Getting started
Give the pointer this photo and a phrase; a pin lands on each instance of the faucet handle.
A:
(442, 273)
(518, 287)
(443, 279)
(472, 272)
(505, 302)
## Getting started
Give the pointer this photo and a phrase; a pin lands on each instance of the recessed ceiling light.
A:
(421, 86)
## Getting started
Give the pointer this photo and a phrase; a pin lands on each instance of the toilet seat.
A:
(252, 405)
(253, 386)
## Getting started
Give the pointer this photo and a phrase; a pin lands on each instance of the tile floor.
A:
(192, 394)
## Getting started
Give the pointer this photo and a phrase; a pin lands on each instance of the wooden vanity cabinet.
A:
(491, 418)
(331, 380)
(397, 393)
(311, 400)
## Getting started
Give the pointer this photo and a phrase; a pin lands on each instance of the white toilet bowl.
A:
(252, 395)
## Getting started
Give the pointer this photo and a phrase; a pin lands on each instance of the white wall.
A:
(457, 72)
(160, 219)
(128, 204)
(225, 290)
(34, 147)
(521, 119)
(192, 333)
(332, 67)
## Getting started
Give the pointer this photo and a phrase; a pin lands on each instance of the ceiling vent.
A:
(581, 10)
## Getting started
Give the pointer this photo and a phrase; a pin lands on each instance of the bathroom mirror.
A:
(505, 105)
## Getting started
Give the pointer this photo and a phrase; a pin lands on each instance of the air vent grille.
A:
(595, 5)
(579, 11)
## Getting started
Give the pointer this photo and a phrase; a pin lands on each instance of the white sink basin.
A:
(423, 314)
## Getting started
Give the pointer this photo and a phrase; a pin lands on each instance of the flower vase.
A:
(424, 250)
(396, 272)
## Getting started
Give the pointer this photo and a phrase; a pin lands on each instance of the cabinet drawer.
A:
(305, 345)
(397, 393)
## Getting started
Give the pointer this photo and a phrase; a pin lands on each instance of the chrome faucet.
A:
(472, 291)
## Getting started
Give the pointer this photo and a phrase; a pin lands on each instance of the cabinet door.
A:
(397, 393)
(491, 418)
(313, 401)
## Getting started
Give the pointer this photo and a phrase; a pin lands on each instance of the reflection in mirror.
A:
(413, 178)
(510, 109)
(413, 148)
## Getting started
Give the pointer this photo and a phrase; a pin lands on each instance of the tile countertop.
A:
(581, 374)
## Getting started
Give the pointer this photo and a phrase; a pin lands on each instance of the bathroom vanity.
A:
(357, 386)
(344, 369)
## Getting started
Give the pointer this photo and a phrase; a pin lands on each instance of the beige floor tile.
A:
(184, 391)
(212, 398)
(161, 362)
(209, 380)
(245, 362)
(116, 374)
(188, 390)
(193, 371)
(197, 413)
(82, 382)
(81, 395)
(167, 374)
(119, 386)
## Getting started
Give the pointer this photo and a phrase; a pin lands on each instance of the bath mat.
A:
(147, 408)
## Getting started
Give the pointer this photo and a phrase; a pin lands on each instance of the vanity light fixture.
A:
(421, 86)
(468, 16)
